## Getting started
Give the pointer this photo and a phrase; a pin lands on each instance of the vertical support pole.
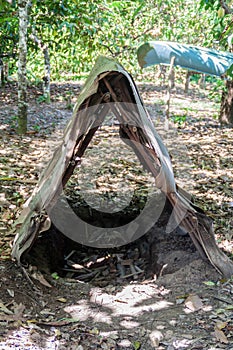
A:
(168, 97)
(187, 81)
(201, 81)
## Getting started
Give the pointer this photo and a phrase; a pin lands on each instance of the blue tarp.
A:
(199, 59)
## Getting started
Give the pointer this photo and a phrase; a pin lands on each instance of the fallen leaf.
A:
(94, 331)
(19, 309)
(137, 345)
(220, 325)
(193, 303)
(39, 277)
(155, 338)
(62, 300)
(11, 292)
(3, 200)
(229, 307)
(209, 283)
(11, 317)
(4, 309)
(57, 333)
(220, 336)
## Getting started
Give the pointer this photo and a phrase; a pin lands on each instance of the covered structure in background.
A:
(198, 59)
(109, 88)
(194, 58)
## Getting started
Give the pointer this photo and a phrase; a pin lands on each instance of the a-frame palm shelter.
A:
(109, 86)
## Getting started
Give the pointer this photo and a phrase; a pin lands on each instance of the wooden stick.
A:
(168, 98)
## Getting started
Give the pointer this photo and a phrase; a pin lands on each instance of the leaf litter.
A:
(133, 314)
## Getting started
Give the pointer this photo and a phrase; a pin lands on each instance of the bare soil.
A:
(179, 301)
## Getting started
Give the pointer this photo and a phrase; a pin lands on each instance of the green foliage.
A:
(76, 31)
(220, 23)
(179, 119)
(55, 276)
(218, 86)
(137, 345)
(230, 71)
(8, 29)
(209, 283)
(13, 121)
(41, 99)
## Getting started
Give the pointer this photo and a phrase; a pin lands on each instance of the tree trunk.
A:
(226, 110)
(22, 63)
(2, 78)
(46, 78)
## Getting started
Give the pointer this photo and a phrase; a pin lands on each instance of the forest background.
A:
(60, 41)
(65, 37)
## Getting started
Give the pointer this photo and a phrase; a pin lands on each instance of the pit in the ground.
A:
(140, 260)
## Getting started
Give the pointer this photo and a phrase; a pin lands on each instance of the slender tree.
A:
(220, 32)
(23, 6)
(226, 110)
